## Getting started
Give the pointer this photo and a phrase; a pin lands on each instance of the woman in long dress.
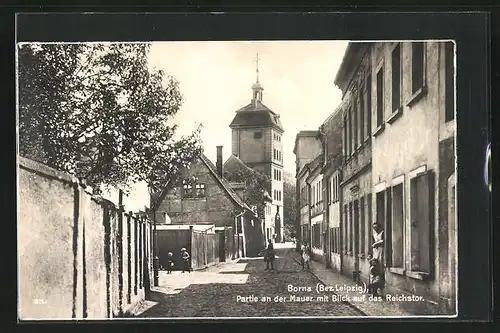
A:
(306, 257)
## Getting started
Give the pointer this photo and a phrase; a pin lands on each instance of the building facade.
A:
(256, 140)
(206, 198)
(308, 146)
(316, 209)
(331, 131)
(413, 168)
(399, 146)
(354, 78)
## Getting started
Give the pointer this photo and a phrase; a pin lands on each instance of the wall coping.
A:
(43, 169)
(49, 172)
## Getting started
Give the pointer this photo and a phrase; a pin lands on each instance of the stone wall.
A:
(74, 250)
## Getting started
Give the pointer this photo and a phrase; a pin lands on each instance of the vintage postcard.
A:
(238, 179)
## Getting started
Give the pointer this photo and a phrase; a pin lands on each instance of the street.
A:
(244, 289)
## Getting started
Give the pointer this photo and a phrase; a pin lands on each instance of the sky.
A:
(215, 79)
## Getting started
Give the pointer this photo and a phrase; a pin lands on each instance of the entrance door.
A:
(355, 247)
(326, 246)
(222, 246)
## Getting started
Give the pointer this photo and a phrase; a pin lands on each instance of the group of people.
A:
(376, 279)
(185, 260)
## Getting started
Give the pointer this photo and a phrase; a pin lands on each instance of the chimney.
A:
(219, 161)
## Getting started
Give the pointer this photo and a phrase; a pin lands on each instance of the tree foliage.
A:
(289, 207)
(257, 185)
(99, 112)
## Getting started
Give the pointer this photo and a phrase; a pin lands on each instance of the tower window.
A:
(257, 135)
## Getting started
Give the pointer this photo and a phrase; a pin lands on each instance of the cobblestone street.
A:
(243, 289)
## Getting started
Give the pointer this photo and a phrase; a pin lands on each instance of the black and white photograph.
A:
(236, 179)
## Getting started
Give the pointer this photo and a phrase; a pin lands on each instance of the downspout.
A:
(236, 229)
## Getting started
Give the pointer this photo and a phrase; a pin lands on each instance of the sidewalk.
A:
(174, 283)
(332, 279)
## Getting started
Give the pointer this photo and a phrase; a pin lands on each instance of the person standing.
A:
(186, 260)
(378, 242)
(270, 256)
(170, 262)
(306, 257)
(377, 276)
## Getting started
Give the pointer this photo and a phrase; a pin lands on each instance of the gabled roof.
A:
(234, 161)
(226, 186)
(256, 114)
(352, 58)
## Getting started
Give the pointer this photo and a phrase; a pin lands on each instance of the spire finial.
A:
(257, 66)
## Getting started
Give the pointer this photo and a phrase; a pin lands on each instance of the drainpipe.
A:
(236, 229)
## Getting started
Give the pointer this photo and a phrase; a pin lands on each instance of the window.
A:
(355, 229)
(200, 190)
(350, 132)
(388, 229)
(417, 66)
(346, 151)
(420, 217)
(330, 190)
(369, 106)
(351, 227)
(380, 211)
(346, 223)
(317, 235)
(380, 97)
(257, 135)
(337, 188)
(449, 82)
(362, 233)
(396, 78)
(369, 221)
(397, 225)
(187, 191)
(361, 117)
(355, 124)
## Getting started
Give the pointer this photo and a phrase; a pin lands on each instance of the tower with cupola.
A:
(257, 141)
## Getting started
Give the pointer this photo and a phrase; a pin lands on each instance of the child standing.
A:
(185, 260)
(170, 262)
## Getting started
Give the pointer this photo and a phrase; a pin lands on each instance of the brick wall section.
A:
(70, 247)
(216, 208)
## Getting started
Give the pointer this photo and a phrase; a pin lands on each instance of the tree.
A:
(257, 185)
(290, 209)
(99, 112)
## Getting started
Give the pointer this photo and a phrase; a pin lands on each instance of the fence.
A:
(204, 249)
(79, 255)
(225, 247)
(200, 241)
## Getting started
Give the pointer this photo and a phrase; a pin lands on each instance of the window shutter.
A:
(421, 222)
